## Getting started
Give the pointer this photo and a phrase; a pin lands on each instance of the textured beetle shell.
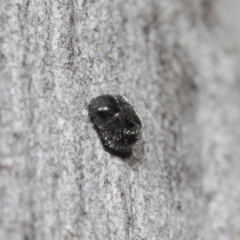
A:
(117, 122)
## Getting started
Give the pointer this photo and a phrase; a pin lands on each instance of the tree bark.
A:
(178, 64)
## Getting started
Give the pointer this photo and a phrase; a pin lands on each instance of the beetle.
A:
(117, 122)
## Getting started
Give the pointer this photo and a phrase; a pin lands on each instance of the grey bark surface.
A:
(177, 62)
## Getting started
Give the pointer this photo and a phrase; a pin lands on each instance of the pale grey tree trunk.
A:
(177, 62)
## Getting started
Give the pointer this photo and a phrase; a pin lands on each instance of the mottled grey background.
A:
(177, 62)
